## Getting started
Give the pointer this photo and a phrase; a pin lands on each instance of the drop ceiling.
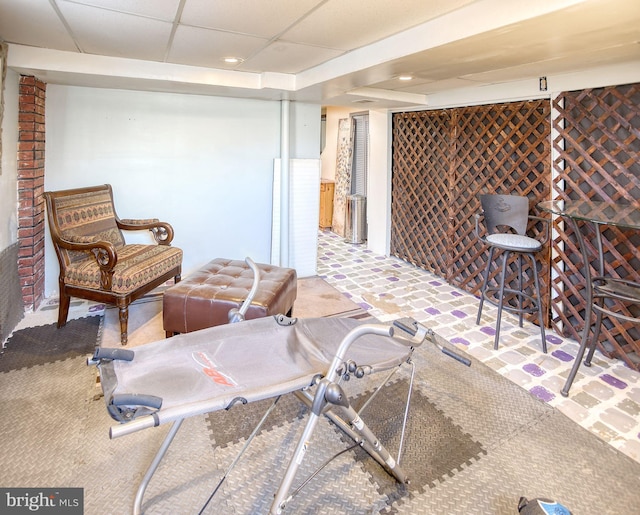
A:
(325, 51)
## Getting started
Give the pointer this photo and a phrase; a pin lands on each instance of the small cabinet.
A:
(326, 203)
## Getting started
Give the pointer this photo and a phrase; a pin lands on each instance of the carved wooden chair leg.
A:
(123, 315)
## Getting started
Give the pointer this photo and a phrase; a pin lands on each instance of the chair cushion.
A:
(137, 266)
(515, 242)
(87, 217)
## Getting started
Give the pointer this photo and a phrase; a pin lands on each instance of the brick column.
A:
(31, 138)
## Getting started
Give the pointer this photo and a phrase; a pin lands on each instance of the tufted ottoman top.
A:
(205, 298)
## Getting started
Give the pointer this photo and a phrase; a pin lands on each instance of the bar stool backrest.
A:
(505, 210)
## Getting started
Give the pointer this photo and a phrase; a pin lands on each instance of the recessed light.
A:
(405, 77)
(232, 60)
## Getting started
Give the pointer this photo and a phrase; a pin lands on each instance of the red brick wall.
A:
(31, 138)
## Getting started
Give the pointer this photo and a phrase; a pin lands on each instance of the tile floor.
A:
(604, 399)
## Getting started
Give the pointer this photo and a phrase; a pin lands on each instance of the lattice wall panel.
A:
(442, 160)
(598, 158)
(419, 201)
(499, 149)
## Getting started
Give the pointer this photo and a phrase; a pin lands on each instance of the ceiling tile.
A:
(552, 37)
(99, 31)
(411, 86)
(257, 17)
(442, 85)
(160, 9)
(42, 27)
(348, 25)
(559, 65)
(499, 50)
(205, 47)
(286, 57)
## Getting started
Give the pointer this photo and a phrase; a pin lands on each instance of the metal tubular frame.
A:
(593, 302)
(327, 396)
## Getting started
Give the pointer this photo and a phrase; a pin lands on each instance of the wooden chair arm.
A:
(162, 231)
(104, 252)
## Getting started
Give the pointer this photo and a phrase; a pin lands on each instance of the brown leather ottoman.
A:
(205, 298)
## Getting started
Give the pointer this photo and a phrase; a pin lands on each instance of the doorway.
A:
(360, 154)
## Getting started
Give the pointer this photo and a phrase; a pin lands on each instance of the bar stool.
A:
(511, 212)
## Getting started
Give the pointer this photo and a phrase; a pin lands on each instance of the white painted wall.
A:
(204, 164)
(305, 131)
(9, 170)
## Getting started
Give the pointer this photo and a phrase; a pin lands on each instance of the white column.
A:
(284, 183)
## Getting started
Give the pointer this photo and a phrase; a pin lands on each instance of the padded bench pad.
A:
(205, 298)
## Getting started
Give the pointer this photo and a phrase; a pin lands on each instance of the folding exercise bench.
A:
(215, 368)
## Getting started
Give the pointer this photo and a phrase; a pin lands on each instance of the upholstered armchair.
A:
(95, 261)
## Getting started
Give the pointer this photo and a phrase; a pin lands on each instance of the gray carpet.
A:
(475, 444)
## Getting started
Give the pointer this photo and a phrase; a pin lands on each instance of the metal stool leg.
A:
(483, 288)
(503, 275)
(521, 290)
(538, 301)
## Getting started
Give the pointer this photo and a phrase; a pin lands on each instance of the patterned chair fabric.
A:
(87, 218)
(137, 265)
(95, 261)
